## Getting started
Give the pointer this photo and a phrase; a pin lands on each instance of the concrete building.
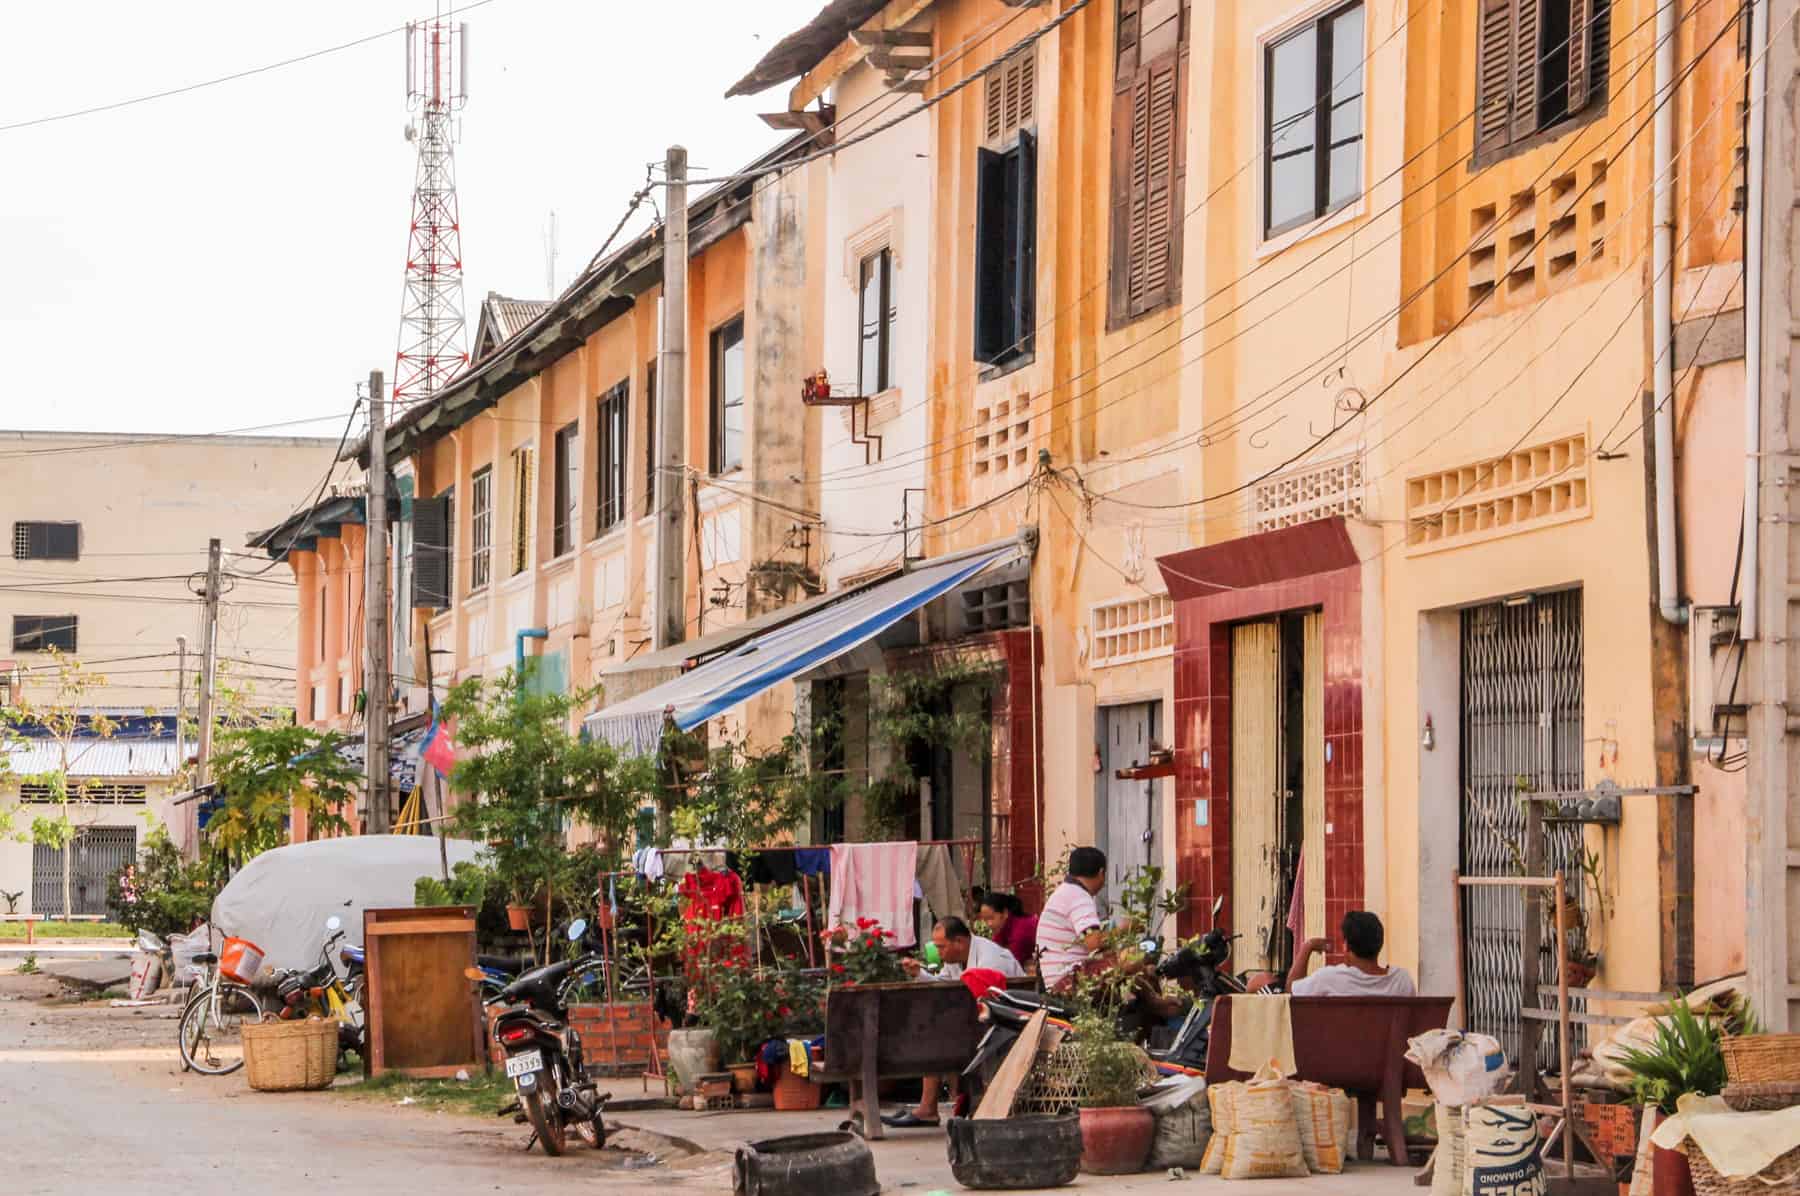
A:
(109, 534)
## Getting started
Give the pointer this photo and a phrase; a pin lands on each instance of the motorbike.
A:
(321, 992)
(1201, 969)
(543, 1052)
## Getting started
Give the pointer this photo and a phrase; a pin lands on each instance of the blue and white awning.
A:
(785, 652)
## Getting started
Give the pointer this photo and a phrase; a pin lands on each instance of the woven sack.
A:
(1501, 1151)
(1264, 1141)
(1448, 1163)
(1183, 1135)
(1323, 1117)
(1222, 1100)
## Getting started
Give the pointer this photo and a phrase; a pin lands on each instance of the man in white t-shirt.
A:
(961, 951)
(1069, 930)
(1363, 976)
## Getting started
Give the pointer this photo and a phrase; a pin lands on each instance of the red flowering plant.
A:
(861, 955)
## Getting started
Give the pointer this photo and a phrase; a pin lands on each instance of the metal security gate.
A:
(1521, 733)
(99, 853)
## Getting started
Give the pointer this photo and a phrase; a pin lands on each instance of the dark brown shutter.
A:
(431, 553)
(991, 237)
(1580, 54)
(1148, 176)
(1525, 69)
(1494, 76)
(1024, 297)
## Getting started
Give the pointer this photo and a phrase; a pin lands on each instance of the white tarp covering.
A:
(281, 899)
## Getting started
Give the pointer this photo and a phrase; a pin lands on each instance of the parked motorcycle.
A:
(321, 992)
(543, 1052)
(1201, 969)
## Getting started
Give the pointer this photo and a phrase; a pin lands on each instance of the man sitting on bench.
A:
(961, 951)
(1363, 976)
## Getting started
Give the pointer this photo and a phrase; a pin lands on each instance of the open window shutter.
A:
(1124, 147)
(1493, 76)
(1155, 123)
(990, 256)
(1525, 68)
(431, 553)
(1024, 296)
(1580, 52)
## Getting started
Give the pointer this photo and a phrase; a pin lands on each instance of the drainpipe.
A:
(1662, 282)
(1753, 303)
(529, 633)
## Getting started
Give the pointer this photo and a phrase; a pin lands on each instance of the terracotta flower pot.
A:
(743, 1078)
(1116, 1141)
(1669, 1173)
(518, 917)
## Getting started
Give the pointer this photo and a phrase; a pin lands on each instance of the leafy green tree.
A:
(266, 770)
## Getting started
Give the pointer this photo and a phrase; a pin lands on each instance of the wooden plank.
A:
(817, 81)
(891, 37)
(997, 1101)
(424, 926)
(1583, 1019)
(869, 1083)
(1516, 882)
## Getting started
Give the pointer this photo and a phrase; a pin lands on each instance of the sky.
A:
(232, 257)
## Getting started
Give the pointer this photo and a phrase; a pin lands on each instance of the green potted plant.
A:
(1686, 1057)
(1116, 1131)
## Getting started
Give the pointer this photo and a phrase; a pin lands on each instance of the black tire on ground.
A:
(1015, 1152)
(804, 1164)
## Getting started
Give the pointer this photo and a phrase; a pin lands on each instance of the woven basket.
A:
(1761, 1058)
(1058, 1084)
(1783, 1175)
(1757, 1098)
(290, 1056)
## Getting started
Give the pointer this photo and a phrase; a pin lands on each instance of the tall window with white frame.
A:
(1313, 119)
(877, 296)
(728, 396)
(481, 528)
(565, 527)
(611, 431)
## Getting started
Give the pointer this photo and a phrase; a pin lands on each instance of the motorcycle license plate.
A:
(524, 1064)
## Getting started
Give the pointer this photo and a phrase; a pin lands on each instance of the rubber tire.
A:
(544, 1118)
(196, 1006)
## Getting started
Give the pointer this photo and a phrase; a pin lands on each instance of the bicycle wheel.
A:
(211, 1038)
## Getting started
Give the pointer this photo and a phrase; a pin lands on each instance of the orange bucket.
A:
(240, 960)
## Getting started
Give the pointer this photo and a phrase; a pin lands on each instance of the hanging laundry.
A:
(647, 862)
(708, 895)
(941, 881)
(813, 861)
(1296, 919)
(875, 880)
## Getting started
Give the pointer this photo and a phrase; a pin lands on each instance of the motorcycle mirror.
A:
(1149, 946)
(577, 928)
(474, 974)
(334, 923)
(1218, 904)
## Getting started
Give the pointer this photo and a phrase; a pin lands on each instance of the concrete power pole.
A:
(1771, 611)
(671, 412)
(209, 647)
(190, 835)
(376, 604)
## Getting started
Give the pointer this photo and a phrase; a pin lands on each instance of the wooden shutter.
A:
(1525, 69)
(1024, 296)
(990, 256)
(1011, 95)
(1493, 77)
(431, 553)
(1580, 53)
(1147, 178)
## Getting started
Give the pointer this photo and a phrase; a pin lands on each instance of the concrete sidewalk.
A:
(915, 1161)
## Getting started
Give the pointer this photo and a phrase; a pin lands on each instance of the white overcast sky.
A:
(233, 256)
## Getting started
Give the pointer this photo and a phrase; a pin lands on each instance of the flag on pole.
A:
(437, 750)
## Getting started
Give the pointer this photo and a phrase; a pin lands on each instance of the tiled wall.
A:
(1203, 736)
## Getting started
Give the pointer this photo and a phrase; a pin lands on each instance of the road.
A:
(92, 1100)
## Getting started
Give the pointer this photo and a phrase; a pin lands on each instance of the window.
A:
(1149, 125)
(1012, 95)
(101, 793)
(876, 298)
(41, 633)
(728, 396)
(1538, 64)
(481, 528)
(523, 508)
(1006, 251)
(650, 400)
(1312, 120)
(320, 616)
(46, 541)
(565, 528)
(613, 433)
(402, 558)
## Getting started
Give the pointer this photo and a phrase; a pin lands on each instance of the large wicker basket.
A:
(1783, 1175)
(290, 1056)
(1058, 1083)
(1761, 1058)
(1758, 1098)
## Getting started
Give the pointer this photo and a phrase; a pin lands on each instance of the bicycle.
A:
(214, 1016)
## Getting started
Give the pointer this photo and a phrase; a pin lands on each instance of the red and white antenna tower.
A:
(431, 349)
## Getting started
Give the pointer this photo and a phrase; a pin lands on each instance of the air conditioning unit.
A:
(1717, 685)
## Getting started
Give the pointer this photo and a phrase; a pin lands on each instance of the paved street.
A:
(92, 1099)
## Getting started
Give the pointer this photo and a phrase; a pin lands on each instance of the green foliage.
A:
(530, 777)
(1142, 906)
(29, 967)
(1686, 1058)
(1112, 1068)
(161, 892)
(468, 885)
(915, 708)
(264, 771)
(742, 998)
(11, 897)
(745, 798)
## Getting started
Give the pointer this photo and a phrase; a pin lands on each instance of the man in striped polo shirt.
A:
(1069, 930)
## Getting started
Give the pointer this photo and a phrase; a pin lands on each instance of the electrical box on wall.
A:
(1716, 681)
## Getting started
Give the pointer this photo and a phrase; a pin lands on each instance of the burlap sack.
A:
(1263, 1139)
(1448, 1162)
(1501, 1151)
(1325, 1117)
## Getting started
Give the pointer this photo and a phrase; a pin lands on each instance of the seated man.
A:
(1363, 976)
(1069, 931)
(961, 951)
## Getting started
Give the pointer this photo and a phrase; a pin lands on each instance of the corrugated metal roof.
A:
(97, 758)
(514, 315)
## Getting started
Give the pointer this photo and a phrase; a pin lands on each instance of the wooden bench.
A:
(876, 1032)
(1354, 1043)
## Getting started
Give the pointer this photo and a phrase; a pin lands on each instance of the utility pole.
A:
(375, 604)
(190, 838)
(671, 413)
(209, 647)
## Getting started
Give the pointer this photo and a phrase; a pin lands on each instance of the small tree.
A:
(267, 769)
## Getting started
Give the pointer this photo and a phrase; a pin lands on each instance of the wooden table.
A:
(896, 1032)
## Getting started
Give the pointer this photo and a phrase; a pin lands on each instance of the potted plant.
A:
(1116, 1131)
(861, 955)
(1686, 1057)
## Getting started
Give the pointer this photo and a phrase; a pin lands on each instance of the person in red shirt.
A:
(1010, 926)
